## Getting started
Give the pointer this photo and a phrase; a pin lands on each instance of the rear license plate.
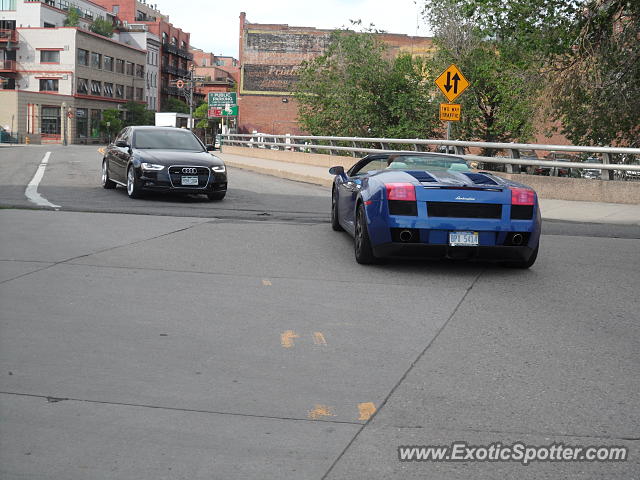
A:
(463, 239)
(189, 180)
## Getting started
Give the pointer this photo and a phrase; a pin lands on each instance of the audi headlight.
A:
(218, 168)
(152, 167)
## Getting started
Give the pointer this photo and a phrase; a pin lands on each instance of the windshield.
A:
(423, 162)
(167, 140)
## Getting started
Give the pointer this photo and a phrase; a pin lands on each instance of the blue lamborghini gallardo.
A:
(434, 206)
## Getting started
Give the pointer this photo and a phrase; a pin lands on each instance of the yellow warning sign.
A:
(452, 83)
(450, 112)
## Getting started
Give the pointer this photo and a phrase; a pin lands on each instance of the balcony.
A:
(175, 50)
(172, 70)
(8, 66)
(8, 36)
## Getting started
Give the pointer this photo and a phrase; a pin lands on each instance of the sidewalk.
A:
(588, 212)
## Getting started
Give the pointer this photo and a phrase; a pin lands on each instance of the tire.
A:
(105, 180)
(335, 224)
(362, 242)
(134, 190)
(528, 263)
(216, 195)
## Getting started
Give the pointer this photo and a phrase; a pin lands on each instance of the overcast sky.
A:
(214, 26)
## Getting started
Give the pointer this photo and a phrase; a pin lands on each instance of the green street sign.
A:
(222, 99)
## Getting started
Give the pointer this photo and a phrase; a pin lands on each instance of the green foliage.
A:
(111, 121)
(596, 85)
(578, 61)
(355, 89)
(137, 114)
(500, 104)
(201, 113)
(102, 27)
(174, 105)
(73, 18)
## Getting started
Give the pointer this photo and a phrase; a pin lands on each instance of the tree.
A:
(500, 104)
(73, 18)
(356, 89)
(111, 122)
(137, 114)
(102, 27)
(596, 85)
(174, 105)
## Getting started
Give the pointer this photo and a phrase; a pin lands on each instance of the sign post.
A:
(451, 83)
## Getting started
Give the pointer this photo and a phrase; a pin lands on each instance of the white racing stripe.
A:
(32, 189)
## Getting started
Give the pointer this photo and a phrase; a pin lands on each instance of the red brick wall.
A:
(267, 114)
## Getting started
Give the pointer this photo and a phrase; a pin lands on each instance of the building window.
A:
(129, 93)
(95, 123)
(82, 122)
(50, 120)
(174, 41)
(7, 4)
(119, 91)
(116, 9)
(130, 68)
(46, 24)
(108, 63)
(49, 56)
(83, 86)
(48, 85)
(108, 90)
(140, 71)
(96, 88)
(83, 57)
(165, 37)
(63, 5)
(96, 60)
(184, 45)
(119, 66)
(139, 94)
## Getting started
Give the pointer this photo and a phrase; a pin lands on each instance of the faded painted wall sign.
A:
(284, 42)
(270, 78)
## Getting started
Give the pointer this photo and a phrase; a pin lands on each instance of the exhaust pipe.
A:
(406, 236)
(516, 239)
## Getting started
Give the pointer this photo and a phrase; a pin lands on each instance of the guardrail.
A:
(336, 145)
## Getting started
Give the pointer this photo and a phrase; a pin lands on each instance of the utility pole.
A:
(189, 94)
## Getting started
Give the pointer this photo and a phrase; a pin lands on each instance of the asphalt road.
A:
(177, 338)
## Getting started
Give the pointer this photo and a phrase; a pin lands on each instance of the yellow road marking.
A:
(320, 411)
(266, 283)
(286, 338)
(366, 409)
(318, 338)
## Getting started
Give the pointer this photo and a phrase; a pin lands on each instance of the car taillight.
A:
(522, 196)
(401, 191)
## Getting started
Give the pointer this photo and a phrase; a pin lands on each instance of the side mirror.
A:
(336, 170)
(122, 144)
(211, 148)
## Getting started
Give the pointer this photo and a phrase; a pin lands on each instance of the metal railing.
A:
(614, 159)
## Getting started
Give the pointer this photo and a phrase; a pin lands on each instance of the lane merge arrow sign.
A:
(452, 83)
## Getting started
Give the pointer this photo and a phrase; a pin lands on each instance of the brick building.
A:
(175, 58)
(270, 56)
